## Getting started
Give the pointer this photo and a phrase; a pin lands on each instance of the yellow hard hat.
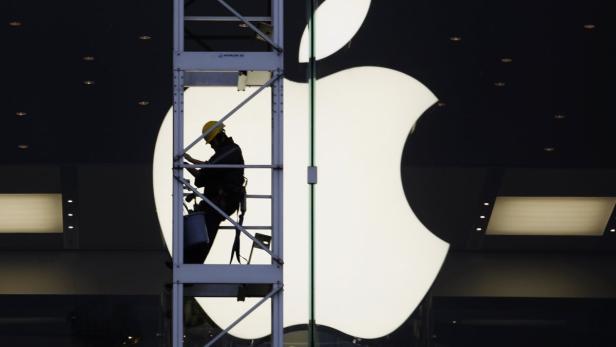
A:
(207, 126)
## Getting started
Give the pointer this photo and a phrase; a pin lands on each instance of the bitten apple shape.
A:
(373, 256)
(375, 261)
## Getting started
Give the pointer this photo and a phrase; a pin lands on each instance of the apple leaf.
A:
(336, 22)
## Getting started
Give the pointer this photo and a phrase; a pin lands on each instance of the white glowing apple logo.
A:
(375, 261)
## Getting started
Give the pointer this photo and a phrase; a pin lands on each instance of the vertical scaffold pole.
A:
(204, 69)
(277, 174)
(312, 79)
(178, 145)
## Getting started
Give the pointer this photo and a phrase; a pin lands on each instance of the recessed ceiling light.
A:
(589, 26)
(15, 23)
(549, 149)
(21, 113)
(71, 227)
(506, 60)
(499, 84)
(455, 39)
(88, 82)
(23, 146)
(482, 217)
(559, 116)
(441, 104)
(88, 58)
(479, 229)
(243, 25)
(486, 204)
(145, 37)
(69, 201)
(613, 230)
(70, 214)
(143, 103)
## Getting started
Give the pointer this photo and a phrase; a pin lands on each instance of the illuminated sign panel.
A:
(31, 213)
(556, 216)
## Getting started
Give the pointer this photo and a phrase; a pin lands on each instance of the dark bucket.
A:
(194, 229)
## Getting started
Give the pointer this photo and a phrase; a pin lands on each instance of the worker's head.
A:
(216, 132)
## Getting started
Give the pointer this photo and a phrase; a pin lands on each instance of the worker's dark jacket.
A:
(223, 186)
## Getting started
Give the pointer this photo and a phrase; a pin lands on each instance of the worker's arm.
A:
(193, 160)
(193, 171)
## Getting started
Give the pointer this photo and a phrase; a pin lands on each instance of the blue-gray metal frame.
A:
(187, 67)
(277, 175)
(225, 19)
(227, 61)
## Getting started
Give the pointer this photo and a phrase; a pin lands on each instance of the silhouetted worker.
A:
(223, 186)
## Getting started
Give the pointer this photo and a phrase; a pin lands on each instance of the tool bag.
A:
(195, 230)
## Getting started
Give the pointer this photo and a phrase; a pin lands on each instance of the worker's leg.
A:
(212, 223)
(195, 254)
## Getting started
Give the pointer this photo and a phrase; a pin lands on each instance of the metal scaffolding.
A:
(228, 69)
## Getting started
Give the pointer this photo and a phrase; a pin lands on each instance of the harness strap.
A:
(235, 250)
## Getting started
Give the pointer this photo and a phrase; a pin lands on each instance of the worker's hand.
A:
(189, 197)
(189, 158)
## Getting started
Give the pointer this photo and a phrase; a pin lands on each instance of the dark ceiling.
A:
(45, 71)
(558, 67)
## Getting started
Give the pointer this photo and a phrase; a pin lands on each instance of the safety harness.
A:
(235, 250)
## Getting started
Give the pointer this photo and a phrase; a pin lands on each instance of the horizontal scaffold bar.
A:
(214, 273)
(229, 166)
(210, 79)
(219, 290)
(258, 227)
(248, 196)
(256, 196)
(225, 19)
(227, 61)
